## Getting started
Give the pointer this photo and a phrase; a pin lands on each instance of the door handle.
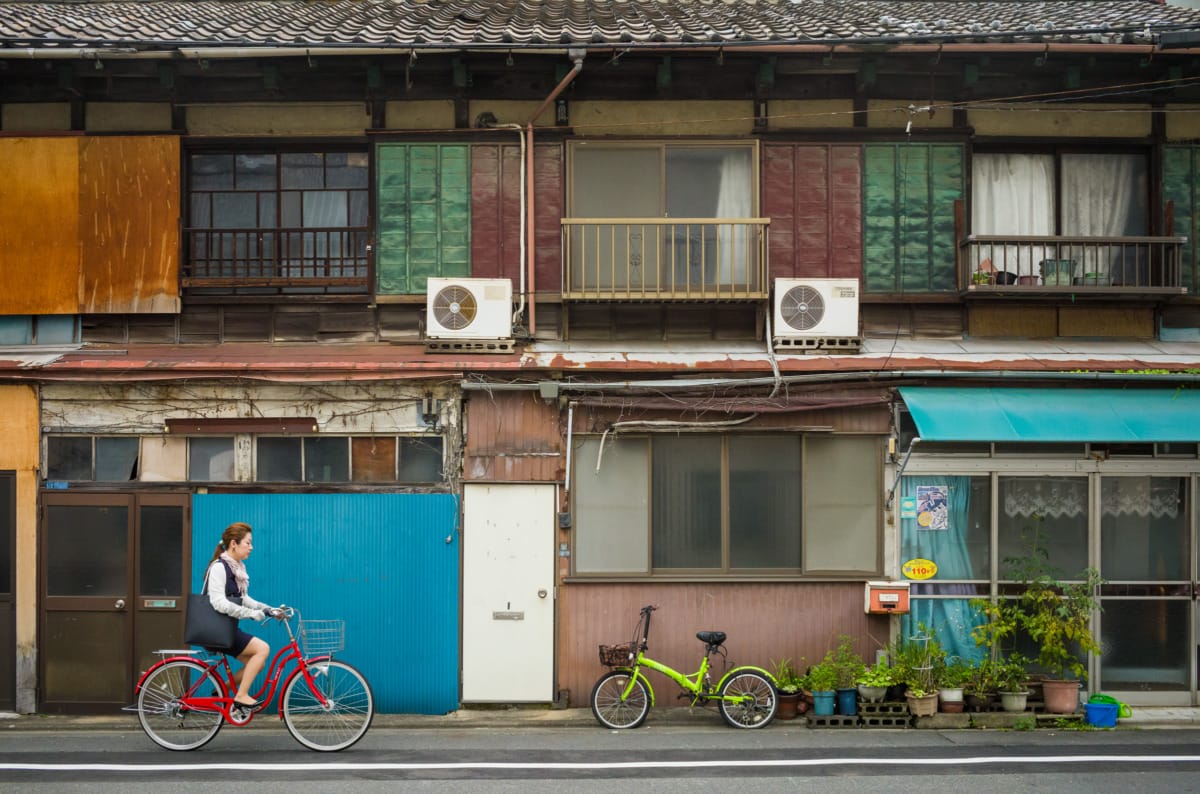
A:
(542, 593)
(120, 603)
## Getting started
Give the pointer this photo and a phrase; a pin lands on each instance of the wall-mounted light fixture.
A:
(431, 411)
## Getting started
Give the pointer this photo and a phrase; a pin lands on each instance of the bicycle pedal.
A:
(240, 715)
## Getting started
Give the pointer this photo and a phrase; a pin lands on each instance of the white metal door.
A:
(508, 593)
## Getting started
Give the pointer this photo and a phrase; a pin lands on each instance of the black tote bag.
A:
(205, 626)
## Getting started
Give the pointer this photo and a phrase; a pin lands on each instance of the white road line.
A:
(1006, 760)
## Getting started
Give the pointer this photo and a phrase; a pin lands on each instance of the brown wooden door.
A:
(113, 568)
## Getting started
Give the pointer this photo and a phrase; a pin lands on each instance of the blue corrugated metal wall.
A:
(379, 561)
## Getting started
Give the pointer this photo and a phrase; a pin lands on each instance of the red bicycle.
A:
(184, 699)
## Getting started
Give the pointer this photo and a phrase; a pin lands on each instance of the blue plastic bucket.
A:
(823, 703)
(1101, 715)
(847, 702)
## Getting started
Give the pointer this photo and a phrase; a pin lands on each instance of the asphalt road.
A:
(651, 759)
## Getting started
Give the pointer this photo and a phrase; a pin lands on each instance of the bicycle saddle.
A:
(711, 637)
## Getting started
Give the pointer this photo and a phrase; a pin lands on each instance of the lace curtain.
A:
(1053, 497)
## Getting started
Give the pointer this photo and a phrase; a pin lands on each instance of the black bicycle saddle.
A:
(711, 637)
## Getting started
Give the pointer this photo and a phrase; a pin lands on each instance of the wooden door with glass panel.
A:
(113, 589)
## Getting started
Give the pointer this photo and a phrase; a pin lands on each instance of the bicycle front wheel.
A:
(611, 710)
(754, 700)
(344, 716)
(166, 719)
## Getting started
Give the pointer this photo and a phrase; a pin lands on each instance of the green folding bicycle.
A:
(746, 696)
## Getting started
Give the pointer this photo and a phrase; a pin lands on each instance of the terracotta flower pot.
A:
(1060, 697)
(789, 706)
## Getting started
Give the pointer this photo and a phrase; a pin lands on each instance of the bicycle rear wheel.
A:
(344, 717)
(613, 712)
(757, 703)
(165, 719)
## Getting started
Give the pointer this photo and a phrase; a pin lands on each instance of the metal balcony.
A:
(1023, 265)
(665, 259)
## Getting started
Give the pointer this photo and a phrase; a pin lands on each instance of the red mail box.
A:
(886, 598)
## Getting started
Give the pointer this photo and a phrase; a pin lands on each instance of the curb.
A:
(516, 717)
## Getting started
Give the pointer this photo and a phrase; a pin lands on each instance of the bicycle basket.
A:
(616, 655)
(319, 637)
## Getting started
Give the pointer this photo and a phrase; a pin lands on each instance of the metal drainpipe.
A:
(576, 55)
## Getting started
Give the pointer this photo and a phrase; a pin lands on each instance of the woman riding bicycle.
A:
(228, 580)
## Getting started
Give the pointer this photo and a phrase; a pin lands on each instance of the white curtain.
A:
(733, 201)
(1100, 198)
(1013, 194)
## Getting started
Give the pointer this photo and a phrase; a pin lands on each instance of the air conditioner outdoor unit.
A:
(468, 308)
(816, 312)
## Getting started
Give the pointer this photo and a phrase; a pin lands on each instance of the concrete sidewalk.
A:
(518, 717)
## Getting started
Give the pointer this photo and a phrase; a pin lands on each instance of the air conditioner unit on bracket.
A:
(468, 308)
(816, 313)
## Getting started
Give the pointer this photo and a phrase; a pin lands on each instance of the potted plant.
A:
(924, 658)
(848, 667)
(979, 690)
(1010, 683)
(822, 679)
(1057, 616)
(951, 679)
(789, 683)
(874, 682)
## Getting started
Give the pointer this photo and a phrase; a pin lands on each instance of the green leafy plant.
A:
(822, 678)
(955, 674)
(847, 664)
(879, 675)
(982, 679)
(1054, 614)
(787, 678)
(1011, 675)
(1025, 724)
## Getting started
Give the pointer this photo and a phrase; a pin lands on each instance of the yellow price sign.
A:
(919, 569)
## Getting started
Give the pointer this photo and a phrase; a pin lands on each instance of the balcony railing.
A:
(665, 259)
(300, 258)
(1023, 264)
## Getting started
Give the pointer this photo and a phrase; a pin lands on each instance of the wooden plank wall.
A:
(91, 224)
(813, 195)
(39, 237)
(764, 622)
(512, 437)
(496, 213)
(129, 224)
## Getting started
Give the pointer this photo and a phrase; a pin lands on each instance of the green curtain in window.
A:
(908, 216)
(951, 619)
(423, 207)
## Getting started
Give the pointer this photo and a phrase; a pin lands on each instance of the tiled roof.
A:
(541, 23)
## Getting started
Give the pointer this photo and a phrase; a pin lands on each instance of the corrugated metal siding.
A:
(813, 196)
(424, 214)
(763, 621)
(1179, 186)
(129, 224)
(39, 238)
(908, 220)
(496, 213)
(512, 437)
(549, 210)
(381, 562)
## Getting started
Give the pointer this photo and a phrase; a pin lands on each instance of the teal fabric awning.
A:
(1054, 414)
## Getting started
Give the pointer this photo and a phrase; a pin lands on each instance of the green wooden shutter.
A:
(424, 215)
(908, 216)
(1180, 186)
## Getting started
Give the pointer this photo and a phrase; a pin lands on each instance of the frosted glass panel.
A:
(686, 510)
(764, 502)
(841, 503)
(610, 508)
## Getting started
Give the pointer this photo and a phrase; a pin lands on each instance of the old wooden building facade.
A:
(657, 297)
